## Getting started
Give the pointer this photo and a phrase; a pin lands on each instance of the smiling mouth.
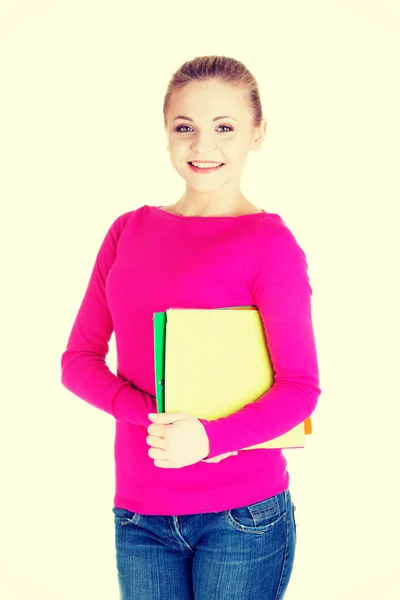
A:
(206, 162)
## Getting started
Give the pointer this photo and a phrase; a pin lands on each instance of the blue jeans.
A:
(245, 553)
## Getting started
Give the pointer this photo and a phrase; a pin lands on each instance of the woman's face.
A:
(197, 136)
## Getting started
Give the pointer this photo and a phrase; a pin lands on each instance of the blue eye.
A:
(179, 128)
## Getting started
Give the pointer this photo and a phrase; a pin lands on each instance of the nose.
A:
(204, 143)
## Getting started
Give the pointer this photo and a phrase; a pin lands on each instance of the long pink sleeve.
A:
(84, 369)
(281, 290)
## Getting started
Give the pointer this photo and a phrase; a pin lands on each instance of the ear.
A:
(260, 133)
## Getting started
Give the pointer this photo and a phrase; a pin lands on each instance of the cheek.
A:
(178, 150)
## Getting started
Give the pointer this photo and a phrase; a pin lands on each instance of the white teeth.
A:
(205, 165)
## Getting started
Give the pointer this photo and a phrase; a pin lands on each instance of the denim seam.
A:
(278, 592)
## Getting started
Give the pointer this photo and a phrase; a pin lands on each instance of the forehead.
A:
(207, 98)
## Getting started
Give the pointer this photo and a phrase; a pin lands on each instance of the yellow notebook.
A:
(216, 361)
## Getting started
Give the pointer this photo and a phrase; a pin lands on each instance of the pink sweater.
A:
(151, 260)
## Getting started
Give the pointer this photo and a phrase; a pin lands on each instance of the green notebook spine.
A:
(159, 327)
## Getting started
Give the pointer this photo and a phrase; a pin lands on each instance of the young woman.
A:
(196, 517)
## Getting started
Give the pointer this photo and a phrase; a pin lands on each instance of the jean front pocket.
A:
(123, 516)
(258, 517)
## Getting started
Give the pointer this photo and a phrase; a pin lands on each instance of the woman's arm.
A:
(277, 275)
(84, 369)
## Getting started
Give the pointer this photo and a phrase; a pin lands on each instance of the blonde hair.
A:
(223, 68)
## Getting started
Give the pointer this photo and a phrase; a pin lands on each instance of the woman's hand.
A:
(179, 439)
(176, 439)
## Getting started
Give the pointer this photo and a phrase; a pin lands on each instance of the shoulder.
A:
(117, 226)
(276, 257)
(275, 235)
(121, 221)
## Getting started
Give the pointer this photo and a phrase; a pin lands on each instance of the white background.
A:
(81, 142)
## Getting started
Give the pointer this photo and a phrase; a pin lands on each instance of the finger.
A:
(155, 442)
(157, 453)
(154, 429)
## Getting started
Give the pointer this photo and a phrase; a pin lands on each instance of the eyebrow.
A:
(215, 118)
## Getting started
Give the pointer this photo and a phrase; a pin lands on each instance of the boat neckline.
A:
(174, 215)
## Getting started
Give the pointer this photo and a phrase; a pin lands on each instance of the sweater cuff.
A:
(218, 444)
